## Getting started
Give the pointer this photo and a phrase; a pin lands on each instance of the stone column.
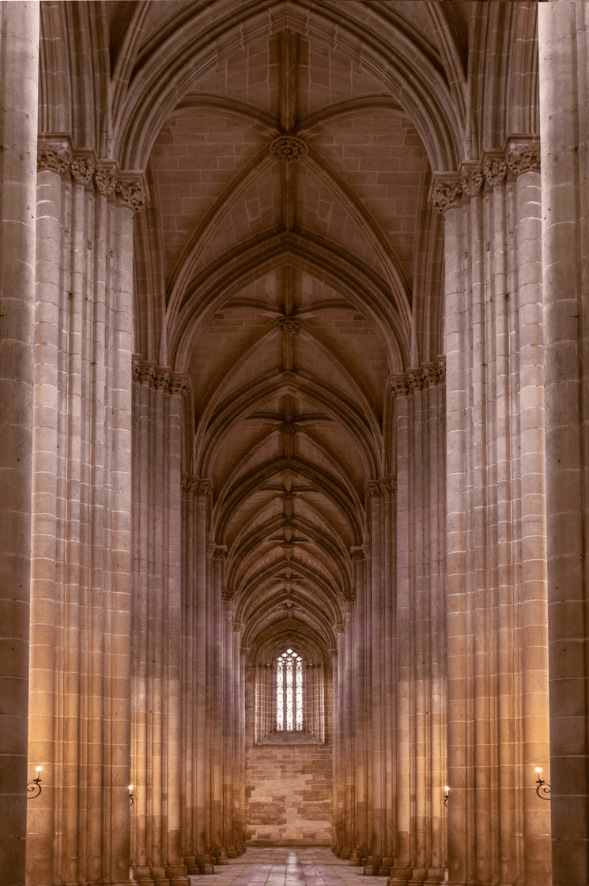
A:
(19, 56)
(81, 502)
(194, 679)
(497, 674)
(157, 769)
(417, 845)
(215, 702)
(401, 868)
(361, 722)
(564, 127)
(374, 688)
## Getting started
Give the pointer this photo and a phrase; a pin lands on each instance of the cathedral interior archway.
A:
(291, 350)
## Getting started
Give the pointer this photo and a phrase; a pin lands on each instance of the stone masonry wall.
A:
(288, 794)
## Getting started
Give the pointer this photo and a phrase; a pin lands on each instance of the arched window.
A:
(289, 692)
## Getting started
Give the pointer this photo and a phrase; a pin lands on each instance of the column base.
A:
(372, 866)
(176, 874)
(356, 857)
(400, 875)
(386, 866)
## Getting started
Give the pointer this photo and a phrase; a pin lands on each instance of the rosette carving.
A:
(288, 147)
(288, 428)
(288, 324)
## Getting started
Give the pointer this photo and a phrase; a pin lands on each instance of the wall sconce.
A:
(131, 794)
(34, 786)
(446, 795)
(543, 790)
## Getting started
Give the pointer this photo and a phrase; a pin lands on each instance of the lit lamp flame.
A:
(131, 793)
(543, 789)
(446, 794)
(34, 786)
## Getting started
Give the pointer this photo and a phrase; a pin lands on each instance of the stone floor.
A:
(286, 866)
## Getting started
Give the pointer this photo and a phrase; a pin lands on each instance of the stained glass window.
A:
(289, 692)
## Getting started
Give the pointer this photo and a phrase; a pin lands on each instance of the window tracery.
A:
(289, 692)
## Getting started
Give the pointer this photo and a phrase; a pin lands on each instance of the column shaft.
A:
(19, 55)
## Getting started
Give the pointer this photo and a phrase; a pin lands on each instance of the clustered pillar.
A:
(564, 128)
(498, 828)
(212, 692)
(156, 667)
(19, 59)
(390, 714)
(81, 519)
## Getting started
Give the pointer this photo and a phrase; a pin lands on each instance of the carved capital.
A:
(136, 368)
(472, 181)
(372, 488)
(216, 552)
(144, 372)
(227, 593)
(288, 147)
(357, 552)
(415, 380)
(56, 158)
(495, 170)
(339, 627)
(131, 193)
(161, 378)
(196, 485)
(179, 384)
(105, 180)
(398, 386)
(82, 169)
(441, 370)
(524, 158)
(447, 194)
(388, 484)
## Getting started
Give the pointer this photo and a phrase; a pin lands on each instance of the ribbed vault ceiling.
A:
(289, 229)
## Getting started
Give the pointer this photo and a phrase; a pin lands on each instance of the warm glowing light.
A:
(130, 788)
(538, 770)
(446, 788)
(38, 769)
